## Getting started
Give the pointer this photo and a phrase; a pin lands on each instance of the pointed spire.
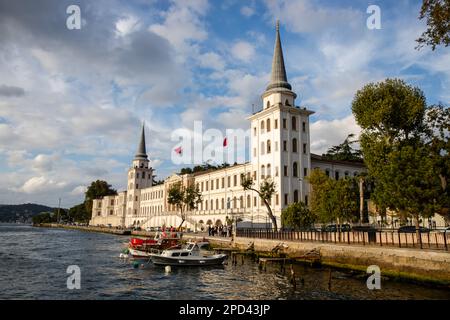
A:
(278, 79)
(141, 153)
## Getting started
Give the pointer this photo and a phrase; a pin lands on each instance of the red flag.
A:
(178, 150)
(225, 142)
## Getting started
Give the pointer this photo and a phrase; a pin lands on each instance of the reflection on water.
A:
(33, 263)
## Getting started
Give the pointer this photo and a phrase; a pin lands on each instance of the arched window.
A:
(268, 104)
(223, 203)
(262, 126)
(295, 195)
(269, 147)
(241, 200)
(294, 123)
(295, 169)
(263, 171)
(269, 169)
(336, 175)
(217, 204)
(294, 145)
(249, 201)
(268, 125)
(234, 202)
(287, 102)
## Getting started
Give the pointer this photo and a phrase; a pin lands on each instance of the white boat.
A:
(190, 255)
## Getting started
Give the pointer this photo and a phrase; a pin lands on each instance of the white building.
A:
(280, 149)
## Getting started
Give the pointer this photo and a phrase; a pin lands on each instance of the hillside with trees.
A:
(22, 212)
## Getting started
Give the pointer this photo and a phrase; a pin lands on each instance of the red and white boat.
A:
(144, 247)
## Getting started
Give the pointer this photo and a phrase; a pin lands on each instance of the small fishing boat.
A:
(190, 255)
(144, 247)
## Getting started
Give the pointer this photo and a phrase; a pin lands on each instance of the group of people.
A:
(221, 231)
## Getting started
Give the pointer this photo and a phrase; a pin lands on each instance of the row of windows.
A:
(337, 174)
(151, 210)
(219, 183)
(153, 195)
(266, 127)
(267, 147)
(143, 175)
(219, 204)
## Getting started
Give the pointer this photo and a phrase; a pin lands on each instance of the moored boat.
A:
(190, 255)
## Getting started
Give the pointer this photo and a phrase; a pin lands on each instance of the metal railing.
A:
(431, 240)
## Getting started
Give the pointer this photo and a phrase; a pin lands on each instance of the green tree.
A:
(78, 213)
(96, 190)
(437, 14)
(44, 217)
(266, 191)
(344, 151)
(298, 216)
(185, 199)
(333, 200)
(396, 142)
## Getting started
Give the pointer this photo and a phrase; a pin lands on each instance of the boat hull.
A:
(186, 261)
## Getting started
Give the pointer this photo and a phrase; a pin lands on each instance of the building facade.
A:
(280, 149)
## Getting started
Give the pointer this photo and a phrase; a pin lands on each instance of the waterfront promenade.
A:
(423, 265)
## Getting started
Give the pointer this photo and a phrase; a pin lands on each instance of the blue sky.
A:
(71, 101)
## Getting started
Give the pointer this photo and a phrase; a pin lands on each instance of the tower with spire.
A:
(140, 176)
(280, 137)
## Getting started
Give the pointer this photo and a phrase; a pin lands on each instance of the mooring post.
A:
(294, 283)
(329, 280)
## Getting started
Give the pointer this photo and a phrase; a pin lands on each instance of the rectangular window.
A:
(285, 199)
(212, 186)
(304, 148)
(276, 172)
(277, 200)
(207, 185)
(223, 183)
(304, 126)
(217, 184)
(229, 182)
(202, 186)
(306, 200)
(284, 145)
(305, 172)
(235, 180)
(254, 201)
(276, 146)
(285, 171)
(284, 124)
(276, 124)
(254, 131)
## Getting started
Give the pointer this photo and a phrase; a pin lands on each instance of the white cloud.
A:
(247, 11)
(243, 51)
(181, 23)
(211, 60)
(325, 134)
(41, 184)
(127, 25)
(78, 191)
(307, 16)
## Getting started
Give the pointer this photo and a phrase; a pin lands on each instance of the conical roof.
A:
(141, 153)
(278, 78)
